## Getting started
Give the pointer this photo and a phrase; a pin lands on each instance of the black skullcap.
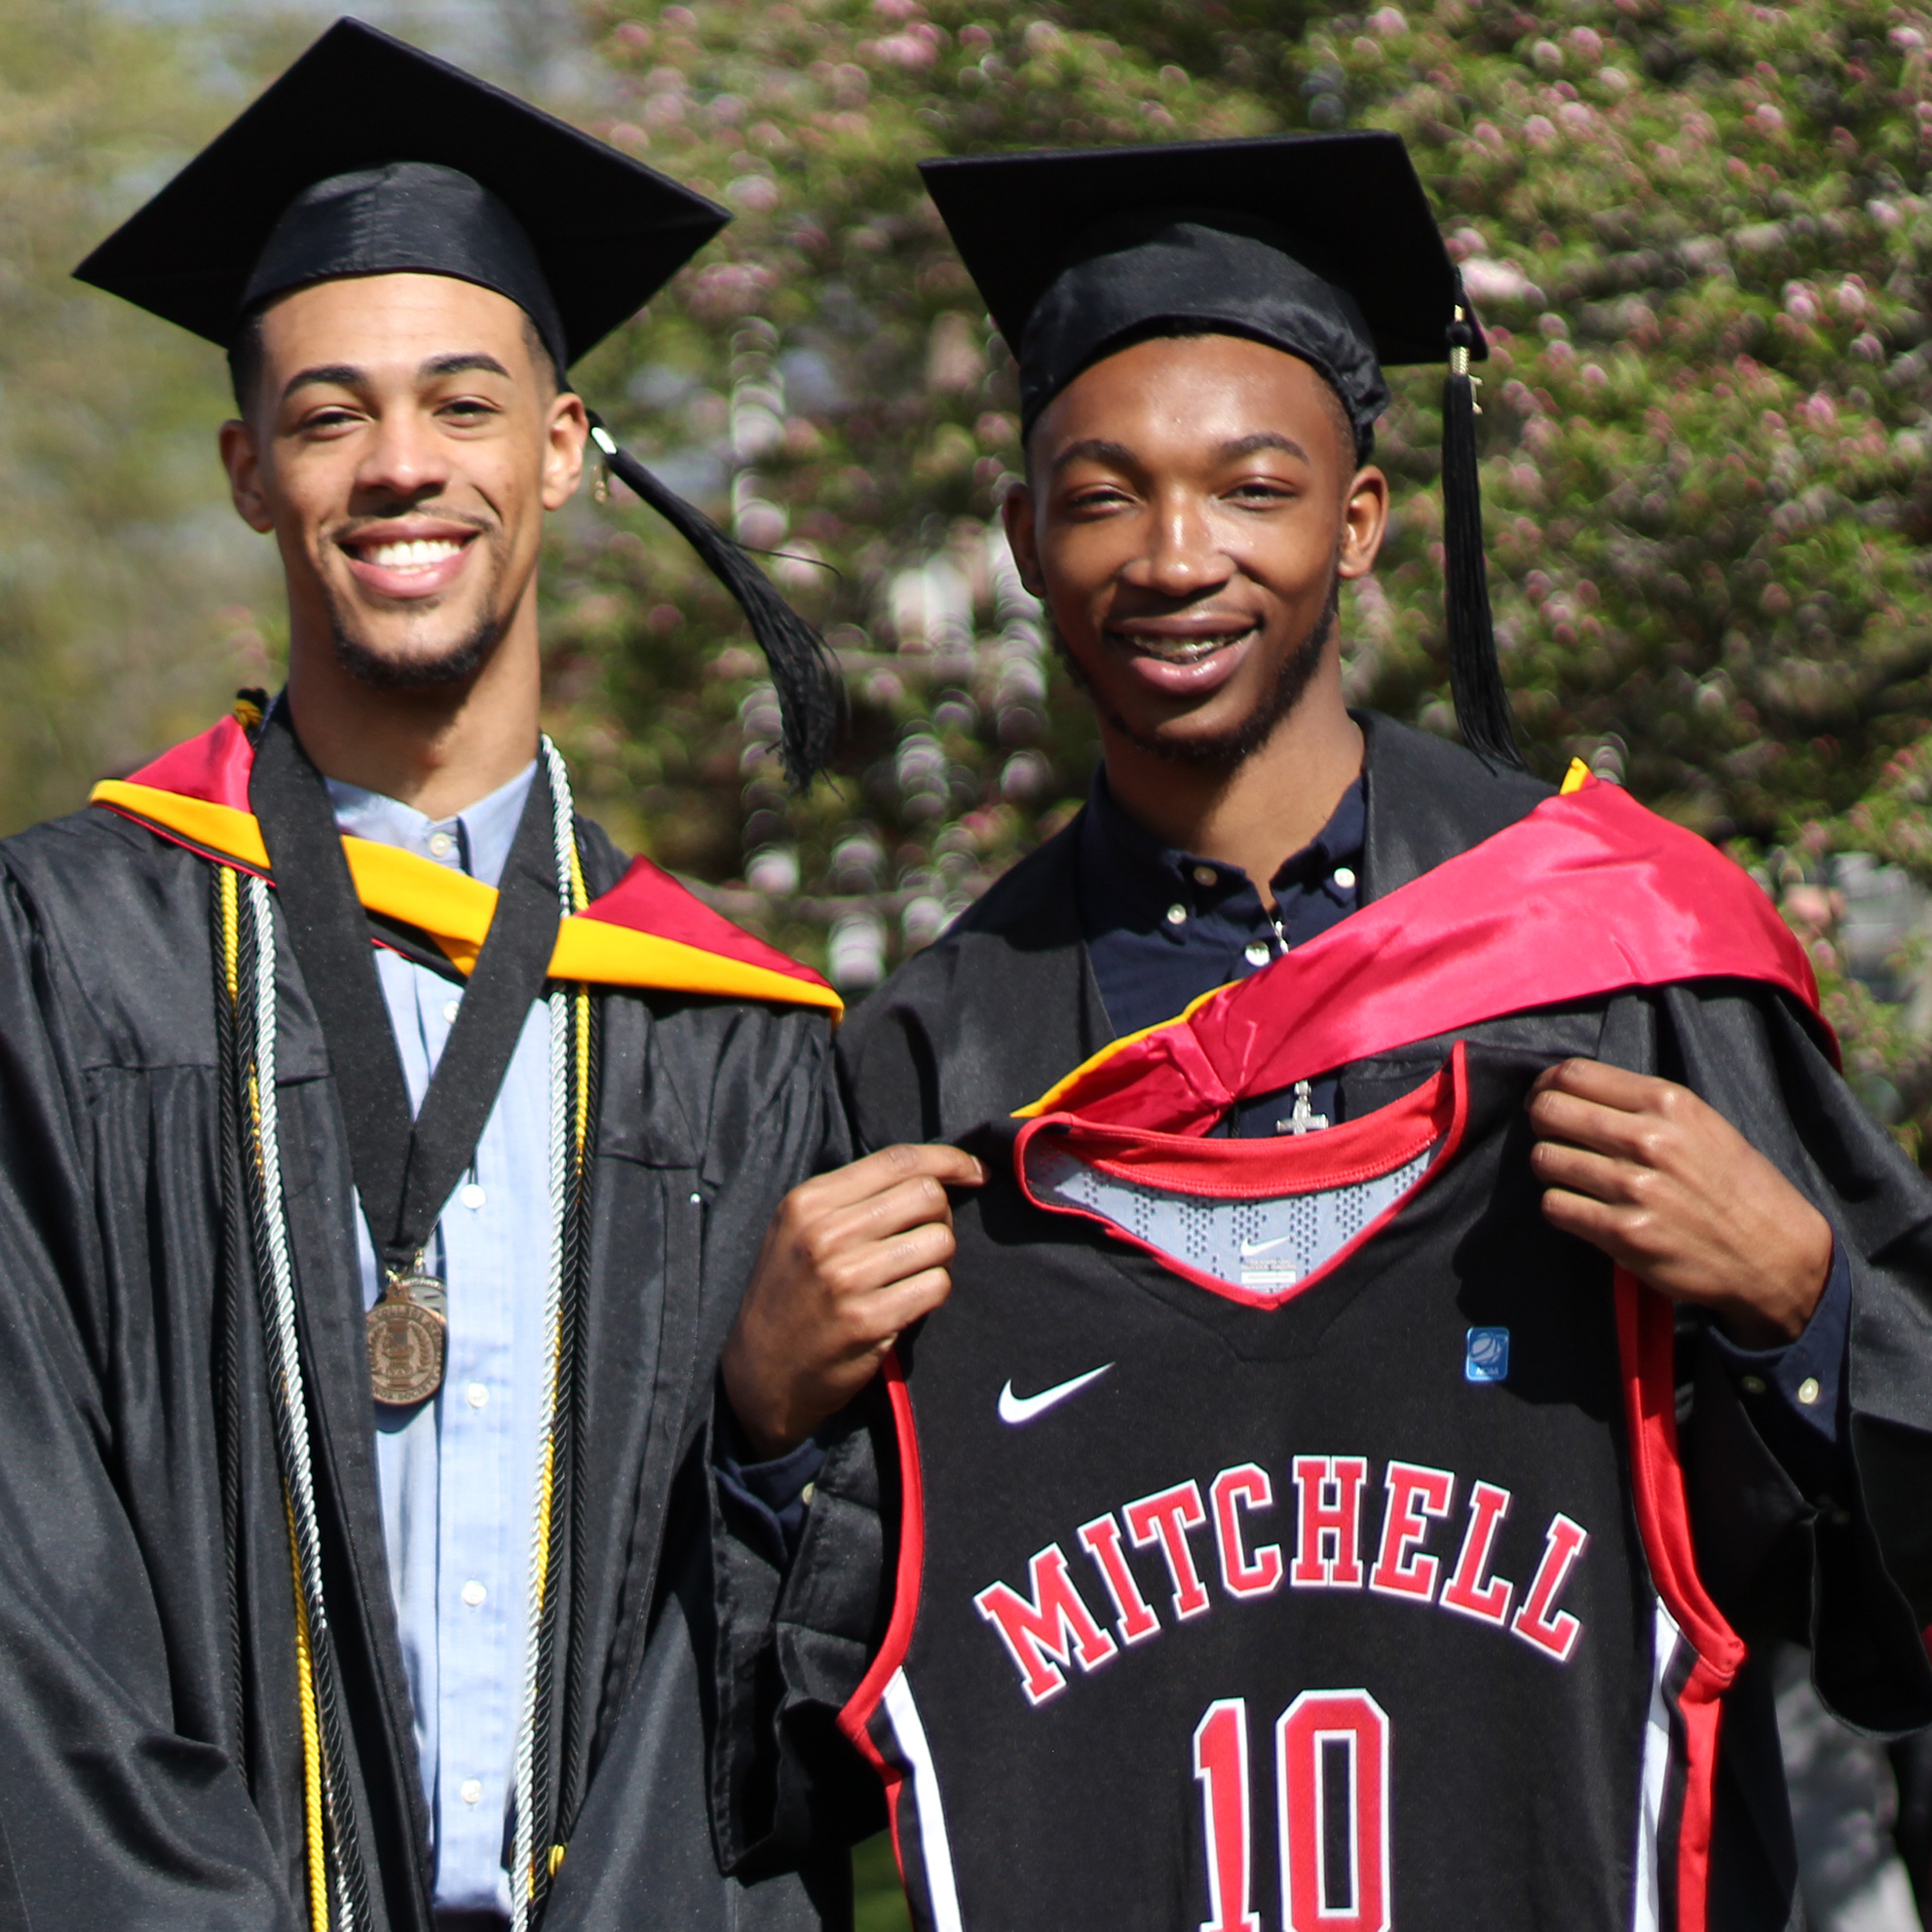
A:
(406, 216)
(1322, 245)
(368, 157)
(1198, 265)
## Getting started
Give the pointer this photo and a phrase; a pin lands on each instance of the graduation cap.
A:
(368, 157)
(1320, 245)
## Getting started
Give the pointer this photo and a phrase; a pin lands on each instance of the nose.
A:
(405, 460)
(1183, 557)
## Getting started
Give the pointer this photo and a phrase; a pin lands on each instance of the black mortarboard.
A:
(368, 157)
(1320, 245)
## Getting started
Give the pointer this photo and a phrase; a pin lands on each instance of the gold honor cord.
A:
(569, 1015)
(257, 1073)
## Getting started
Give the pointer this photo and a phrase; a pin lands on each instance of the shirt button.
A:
(474, 1593)
(1206, 875)
(1258, 953)
(441, 845)
(1345, 877)
(471, 1197)
(1752, 1385)
(1177, 915)
(450, 1009)
(475, 1395)
(471, 1791)
(1807, 1390)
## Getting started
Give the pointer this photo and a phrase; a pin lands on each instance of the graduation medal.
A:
(407, 1338)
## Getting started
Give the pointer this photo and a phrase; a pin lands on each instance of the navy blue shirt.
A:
(1164, 926)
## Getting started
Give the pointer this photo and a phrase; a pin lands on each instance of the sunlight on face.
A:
(405, 440)
(1191, 503)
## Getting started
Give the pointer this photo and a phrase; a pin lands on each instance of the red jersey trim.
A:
(855, 1719)
(1647, 1346)
(1434, 1115)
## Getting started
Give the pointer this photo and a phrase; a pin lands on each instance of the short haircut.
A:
(244, 356)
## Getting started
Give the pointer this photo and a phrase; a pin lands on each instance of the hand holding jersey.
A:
(850, 1261)
(1663, 1184)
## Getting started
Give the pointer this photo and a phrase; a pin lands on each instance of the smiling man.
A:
(1434, 1312)
(381, 1160)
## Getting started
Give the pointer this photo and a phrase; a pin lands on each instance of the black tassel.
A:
(1475, 677)
(803, 672)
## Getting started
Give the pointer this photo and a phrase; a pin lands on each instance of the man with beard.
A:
(1387, 1157)
(384, 1159)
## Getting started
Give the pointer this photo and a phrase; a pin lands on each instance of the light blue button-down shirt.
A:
(457, 1475)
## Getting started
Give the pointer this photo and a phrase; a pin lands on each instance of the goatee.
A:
(432, 670)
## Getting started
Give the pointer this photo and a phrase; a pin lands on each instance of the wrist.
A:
(1781, 1304)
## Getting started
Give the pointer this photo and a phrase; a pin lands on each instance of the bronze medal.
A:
(406, 1342)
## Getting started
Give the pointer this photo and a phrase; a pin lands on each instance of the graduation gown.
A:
(992, 1017)
(151, 1749)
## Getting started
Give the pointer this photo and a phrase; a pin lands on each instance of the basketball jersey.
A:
(1292, 1534)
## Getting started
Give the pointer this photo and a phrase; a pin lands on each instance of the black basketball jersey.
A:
(1292, 1531)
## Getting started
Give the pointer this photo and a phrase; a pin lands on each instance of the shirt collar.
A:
(475, 841)
(1126, 867)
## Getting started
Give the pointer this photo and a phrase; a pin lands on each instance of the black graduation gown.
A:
(119, 1804)
(987, 1019)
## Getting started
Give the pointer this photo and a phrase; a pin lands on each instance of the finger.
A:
(1605, 1227)
(917, 1203)
(1619, 1183)
(1557, 1116)
(905, 1301)
(880, 1172)
(862, 1269)
(1596, 1080)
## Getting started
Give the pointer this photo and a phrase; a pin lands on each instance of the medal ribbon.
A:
(405, 1170)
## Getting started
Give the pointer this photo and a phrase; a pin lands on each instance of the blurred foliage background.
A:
(1698, 234)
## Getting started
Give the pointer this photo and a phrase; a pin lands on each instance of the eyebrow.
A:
(1232, 452)
(1097, 449)
(347, 375)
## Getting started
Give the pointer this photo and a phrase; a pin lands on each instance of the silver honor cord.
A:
(524, 1852)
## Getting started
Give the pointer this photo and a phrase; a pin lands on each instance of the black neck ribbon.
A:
(404, 1170)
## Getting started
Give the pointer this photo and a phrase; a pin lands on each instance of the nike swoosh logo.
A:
(1250, 1249)
(1017, 1409)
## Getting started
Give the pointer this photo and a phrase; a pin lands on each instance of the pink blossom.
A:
(1799, 303)
(906, 50)
(1540, 133)
(1389, 21)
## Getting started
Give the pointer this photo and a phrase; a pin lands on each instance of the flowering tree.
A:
(1694, 233)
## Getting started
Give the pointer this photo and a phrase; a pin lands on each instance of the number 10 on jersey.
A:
(1330, 1813)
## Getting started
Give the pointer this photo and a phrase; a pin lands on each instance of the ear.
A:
(246, 488)
(566, 428)
(1016, 512)
(1364, 522)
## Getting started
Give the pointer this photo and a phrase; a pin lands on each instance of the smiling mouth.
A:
(419, 553)
(1178, 650)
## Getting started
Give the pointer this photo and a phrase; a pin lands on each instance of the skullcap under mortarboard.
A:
(406, 216)
(1321, 244)
(369, 156)
(1214, 271)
